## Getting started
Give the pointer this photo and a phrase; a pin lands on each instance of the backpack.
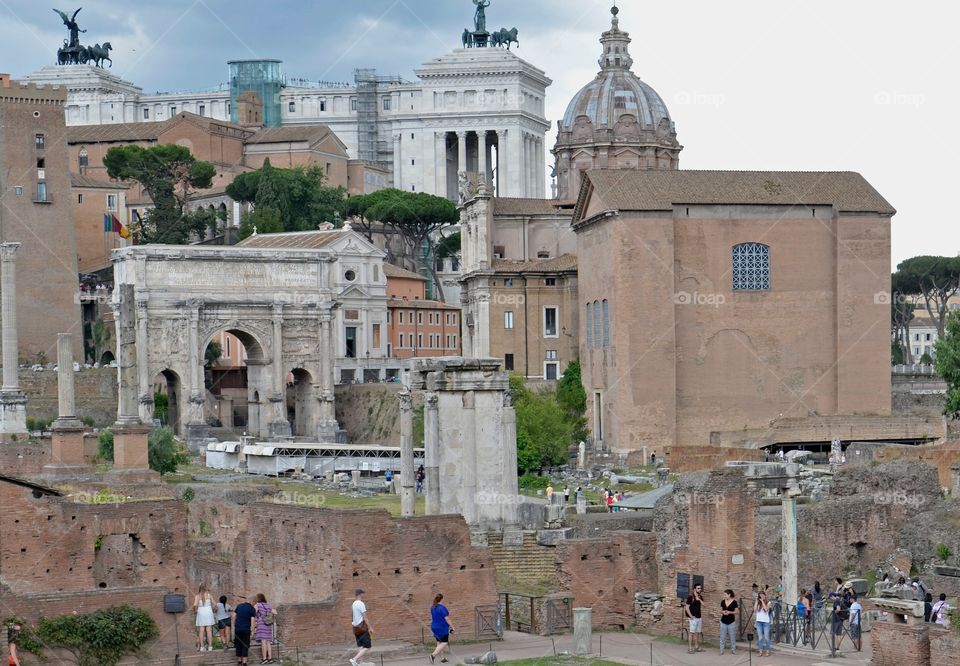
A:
(844, 612)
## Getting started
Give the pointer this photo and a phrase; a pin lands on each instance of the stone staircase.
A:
(527, 568)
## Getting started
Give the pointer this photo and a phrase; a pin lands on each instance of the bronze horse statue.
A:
(98, 53)
(504, 37)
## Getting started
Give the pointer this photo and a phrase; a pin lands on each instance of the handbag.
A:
(361, 629)
(267, 618)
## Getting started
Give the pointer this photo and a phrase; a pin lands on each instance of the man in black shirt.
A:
(242, 616)
(694, 608)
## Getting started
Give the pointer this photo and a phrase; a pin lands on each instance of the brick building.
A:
(417, 326)
(36, 210)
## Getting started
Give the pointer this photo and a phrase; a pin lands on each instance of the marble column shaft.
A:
(482, 155)
(66, 398)
(501, 163)
(408, 496)
(8, 310)
(461, 152)
(469, 444)
(431, 445)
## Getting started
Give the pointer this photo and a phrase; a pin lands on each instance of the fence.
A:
(819, 628)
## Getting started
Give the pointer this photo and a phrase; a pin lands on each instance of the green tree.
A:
(543, 433)
(449, 246)
(896, 353)
(168, 174)
(212, 354)
(164, 452)
(947, 364)
(261, 220)
(415, 216)
(105, 445)
(934, 279)
(161, 406)
(901, 314)
(572, 399)
(298, 199)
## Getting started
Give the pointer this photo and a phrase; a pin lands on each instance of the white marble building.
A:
(477, 110)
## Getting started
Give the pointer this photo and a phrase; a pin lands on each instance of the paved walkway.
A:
(628, 648)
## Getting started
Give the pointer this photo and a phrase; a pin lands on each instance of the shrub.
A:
(534, 481)
(105, 445)
(34, 424)
(88, 421)
(926, 359)
(944, 552)
(164, 452)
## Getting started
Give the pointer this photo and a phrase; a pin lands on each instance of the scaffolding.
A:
(369, 145)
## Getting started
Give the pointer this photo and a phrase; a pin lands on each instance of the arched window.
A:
(84, 159)
(751, 267)
(596, 324)
(606, 324)
(589, 327)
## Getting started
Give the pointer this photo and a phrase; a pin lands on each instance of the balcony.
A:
(42, 199)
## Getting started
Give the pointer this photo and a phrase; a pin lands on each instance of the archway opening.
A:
(230, 389)
(300, 403)
(166, 399)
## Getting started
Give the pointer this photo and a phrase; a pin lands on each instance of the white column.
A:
(408, 496)
(789, 543)
(469, 452)
(440, 156)
(502, 186)
(541, 171)
(431, 453)
(145, 391)
(8, 310)
(461, 152)
(482, 156)
(65, 391)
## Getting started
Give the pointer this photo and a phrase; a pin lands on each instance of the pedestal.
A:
(67, 460)
(582, 631)
(13, 413)
(130, 460)
(197, 434)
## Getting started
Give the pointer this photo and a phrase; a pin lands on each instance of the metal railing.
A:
(818, 628)
(488, 621)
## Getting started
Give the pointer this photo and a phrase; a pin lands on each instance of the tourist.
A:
(939, 611)
(780, 588)
(927, 607)
(361, 627)
(419, 477)
(566, 494)
(203, 607)
(694, 608)
(266, 616)
(803, 612)
(441, 628)
(855, 612)
(762, 612)
(610, 501)
(728, 620)
(13, 635)
(549, 492)
(579, 492)
(841, 613)
(388, 479)
(653, 459)
(222, 616)
(756, 591)
(243, 614)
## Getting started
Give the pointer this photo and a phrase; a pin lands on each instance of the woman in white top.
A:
(203, 605)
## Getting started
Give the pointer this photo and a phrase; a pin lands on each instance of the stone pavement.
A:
(628, 648)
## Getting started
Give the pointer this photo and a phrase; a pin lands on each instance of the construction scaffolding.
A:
(370, 146)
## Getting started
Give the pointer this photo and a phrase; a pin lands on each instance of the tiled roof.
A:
(115, 132)
(662, 189)
(79, 180)
(306, 240)
(565, 262)
(392, 271)
(419, 304)
(309, 133)
(517, 206)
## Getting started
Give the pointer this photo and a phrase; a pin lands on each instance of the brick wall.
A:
(944, 645)
(95, 389)
(943, 455)
(901, 645)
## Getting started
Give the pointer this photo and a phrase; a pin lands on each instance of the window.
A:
(353, 103)
(606, 324)
(551, 354)
(40, 140)
(41, 191)
(388, 316)
(80, 198)
(928, 337)
(292, 106)
(550, 370)
(111, 202)
(508, 319)
(376, 273)
(413, 162)
(228, 345)
(411, 135)
(596, 324)
(202, 110)
(550, 282)
(389, 351)
(401, 340)
(543, 254)
(589, 325)
(350, 276)
(508, 361)
(420, 339)
(419, 317)
(401, 316)
(351, 340)
(376, 336)
(146, 114)
(228, 108)
(550, 322)
(916, 337)
(41, 169)
(83, 159)
(916, 351)
(323, 105)
(751, 267)
(173, 111)
(498, 251)
(18, 190)
(386, 103)
(328, 168)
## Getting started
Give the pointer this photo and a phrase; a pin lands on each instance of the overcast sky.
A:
(868, 86)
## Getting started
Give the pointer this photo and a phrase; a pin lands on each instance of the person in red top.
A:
(13, 634)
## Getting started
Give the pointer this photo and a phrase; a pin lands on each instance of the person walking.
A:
(203, 607)
(566, 494)
(762, 612)
(855, 611)
(243, 615)
(419, 477)
(441, 628)
(13, 635)
(694, 610)
(222, 615)
(938, 613)
(728, 620)
(361, 627)
(927, 607)
(803, 613)
(266, 616)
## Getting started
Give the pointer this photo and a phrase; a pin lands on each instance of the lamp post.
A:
(366, 367)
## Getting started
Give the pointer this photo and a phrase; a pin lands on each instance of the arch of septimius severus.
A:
(170, 302)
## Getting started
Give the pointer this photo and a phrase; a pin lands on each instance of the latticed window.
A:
(751, 267)
(606, 323)
(589, 326)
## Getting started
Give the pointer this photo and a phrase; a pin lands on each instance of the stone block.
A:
(552, 537)
(67, 446)
(512, 536)
(130, 447)
(582, 631)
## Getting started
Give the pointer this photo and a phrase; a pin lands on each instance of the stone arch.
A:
(235, 383)
(167, 382)
(301, 402)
